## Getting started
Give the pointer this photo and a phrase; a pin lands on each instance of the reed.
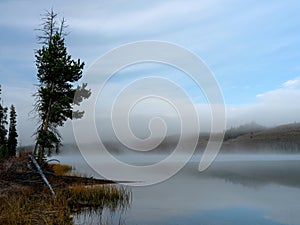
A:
(104, 196)
(60, 169)
(34, 209)
(43, 208)
(24, 200)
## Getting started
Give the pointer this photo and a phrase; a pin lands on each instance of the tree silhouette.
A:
(12, 132)
(57, 73)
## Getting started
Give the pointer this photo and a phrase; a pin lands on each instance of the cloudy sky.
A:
(252, 48)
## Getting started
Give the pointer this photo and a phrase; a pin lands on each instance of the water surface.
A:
(236, 189)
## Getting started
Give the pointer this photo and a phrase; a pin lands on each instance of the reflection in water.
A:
(111, 208)
(259, 191)
(103, 216)
(228, 216)
(257, 173)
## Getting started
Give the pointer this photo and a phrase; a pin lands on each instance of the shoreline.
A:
(25, 199)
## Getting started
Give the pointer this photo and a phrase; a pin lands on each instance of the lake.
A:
(235, 189)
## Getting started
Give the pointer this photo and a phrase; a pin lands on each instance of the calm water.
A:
(236, 189)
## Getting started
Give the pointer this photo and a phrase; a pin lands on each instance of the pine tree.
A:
(12, 132)
(57, 73)
(3, 130)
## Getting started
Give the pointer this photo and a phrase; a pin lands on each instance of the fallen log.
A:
(39, 170)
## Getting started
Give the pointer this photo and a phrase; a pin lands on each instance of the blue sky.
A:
(252, 47)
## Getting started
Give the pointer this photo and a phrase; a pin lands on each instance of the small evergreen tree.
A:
(12, 132)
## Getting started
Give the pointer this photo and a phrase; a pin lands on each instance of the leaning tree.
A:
(57, 75)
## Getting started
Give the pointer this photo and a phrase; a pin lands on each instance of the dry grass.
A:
(23, 202)
(30, 208)
(109, 196)
(33, 204)
(60, 169)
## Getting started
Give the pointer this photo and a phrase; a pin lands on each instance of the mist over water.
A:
(235, 189)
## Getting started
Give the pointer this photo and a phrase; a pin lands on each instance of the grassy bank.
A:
(43, 208)
(32, 203)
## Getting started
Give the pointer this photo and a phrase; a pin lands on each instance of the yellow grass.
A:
(30, 208)
(60, 169)
(110, 196)
(34, 209)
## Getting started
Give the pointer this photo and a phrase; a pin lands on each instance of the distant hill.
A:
(249, 128)
(284, 138)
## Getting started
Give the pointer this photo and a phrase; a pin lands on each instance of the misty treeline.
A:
(8, 130)
(251, 128)
(256, 138)
(57, 74)
(246, 138)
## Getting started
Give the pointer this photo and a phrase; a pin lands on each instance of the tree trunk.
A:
(45, 125)
(41, 173)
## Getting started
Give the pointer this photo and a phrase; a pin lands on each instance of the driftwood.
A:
(77, 180)
(39, 170)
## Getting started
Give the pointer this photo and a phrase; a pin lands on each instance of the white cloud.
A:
(292, 83)
(288, 95)
(136, 18)
(274, 107)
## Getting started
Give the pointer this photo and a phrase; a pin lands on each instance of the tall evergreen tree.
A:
(3, 130)
(12, 132)
(57, 73)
